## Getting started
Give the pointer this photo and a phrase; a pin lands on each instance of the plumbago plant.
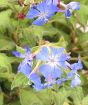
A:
(41, 59)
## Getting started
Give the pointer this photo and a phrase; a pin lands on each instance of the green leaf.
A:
(1, 98)
(61, 42)
(14, 103)
(20, 80)
(28, 97)
(5, 19)
(83, 14)
(7, 76)
(6, 44)
(65, 103)
(45, 96)
(83, 39)
(77, 95)
(5, 65)
(20, 49)
(85, 63)
(3, 3)
(61, 96)
(85, 100)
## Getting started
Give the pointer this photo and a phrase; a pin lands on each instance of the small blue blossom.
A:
(26, 65)
(76, 81)
(70, 7)
(75, 67)
(42, 12)
(74, 73)
(55, 59)
(25, 68)
(22, 55)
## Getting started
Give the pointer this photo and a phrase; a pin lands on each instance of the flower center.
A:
(53, 61)
(42, 15)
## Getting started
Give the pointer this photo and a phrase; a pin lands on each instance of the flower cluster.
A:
(52, 64)
(48, 8)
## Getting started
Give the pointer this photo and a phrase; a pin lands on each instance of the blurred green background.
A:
(71, 34)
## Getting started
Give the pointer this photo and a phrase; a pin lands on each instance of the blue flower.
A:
(75, 67)
(42, 12)
(74, 73)
(76, 81)
(54, 61)
(22, 55)
(70, 7)
(26, 65)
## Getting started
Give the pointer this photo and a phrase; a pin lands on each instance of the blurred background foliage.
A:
(72, 34)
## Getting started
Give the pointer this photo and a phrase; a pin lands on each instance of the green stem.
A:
(7, 76)
(83, 58)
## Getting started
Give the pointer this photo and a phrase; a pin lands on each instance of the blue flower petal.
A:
(27, 49)
(76, 81)
(49, 9)
(33, 13)
(57, 51)
(39, 87)
(25, 68)
(42, 6)
(40, 22)
(68, 13)
(62, 60)
(43, 55)
(70, 7)
(34, 77)
(62, 64)
(55, 72)
(74, 5)
(18, 54)
(48, 2)
(45, 70)
(77, 66)
(70, 74)
(54, 2)
(52, 71)
(52, 9)
(64, 57)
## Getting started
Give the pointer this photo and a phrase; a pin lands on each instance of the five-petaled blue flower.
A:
(70, 7)
(54, 61)
(43, 12)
